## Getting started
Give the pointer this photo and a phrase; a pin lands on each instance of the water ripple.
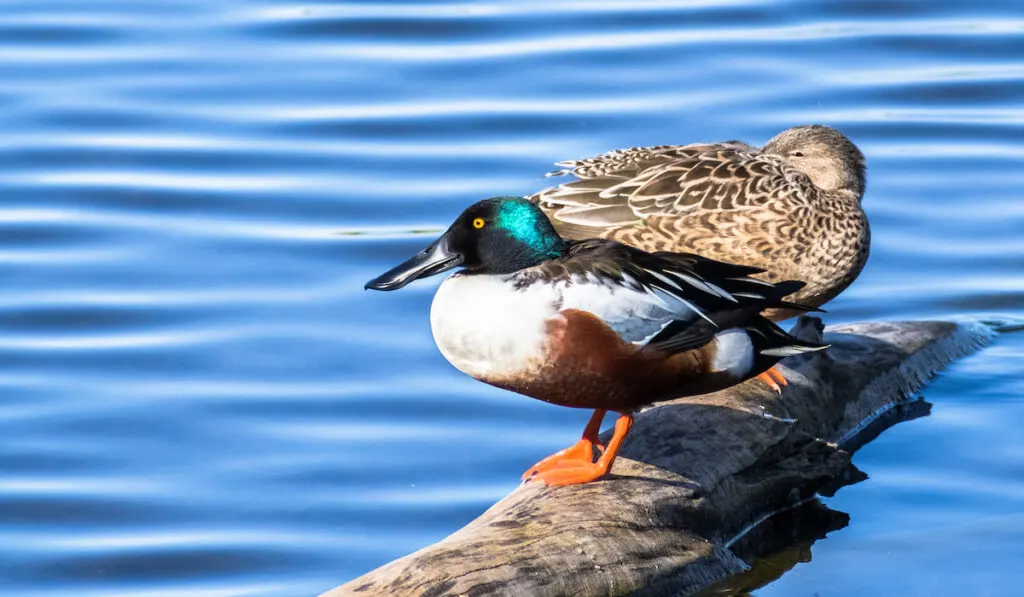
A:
(199, 397)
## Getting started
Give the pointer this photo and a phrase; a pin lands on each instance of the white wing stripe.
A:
(702, 285)
(753, 280)
(685, 303)
(665, 279)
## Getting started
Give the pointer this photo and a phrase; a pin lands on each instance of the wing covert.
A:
(630, 185)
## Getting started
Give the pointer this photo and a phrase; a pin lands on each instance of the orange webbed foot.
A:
(569, 472)
(581, 452)
(774, 378)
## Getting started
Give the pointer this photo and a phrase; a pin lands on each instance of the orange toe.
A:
(572, 474)
(581, 452)
(779, 377)
(774, 379)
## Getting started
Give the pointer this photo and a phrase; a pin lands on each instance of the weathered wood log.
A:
(694, 477)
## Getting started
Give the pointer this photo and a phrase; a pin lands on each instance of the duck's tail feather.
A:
(788, 351)
(799, 307)
(771, 340)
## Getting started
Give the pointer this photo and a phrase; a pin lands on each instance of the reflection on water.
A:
(199, 398)
(777, 545)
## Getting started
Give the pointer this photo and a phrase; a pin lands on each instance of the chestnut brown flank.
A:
(587, 365)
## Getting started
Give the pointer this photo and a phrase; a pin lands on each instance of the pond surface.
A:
(198, 397)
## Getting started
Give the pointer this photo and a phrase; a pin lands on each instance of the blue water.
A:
(196, 395)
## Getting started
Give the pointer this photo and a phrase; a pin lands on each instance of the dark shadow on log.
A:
(702, 483)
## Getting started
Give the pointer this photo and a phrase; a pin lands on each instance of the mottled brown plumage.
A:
(791, 208)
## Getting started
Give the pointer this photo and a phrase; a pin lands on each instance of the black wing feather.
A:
(708, 267)
(680, 336)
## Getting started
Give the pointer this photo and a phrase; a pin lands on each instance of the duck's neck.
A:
(519, 254)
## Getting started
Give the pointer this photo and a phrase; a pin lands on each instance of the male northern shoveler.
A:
(791, 208)
(593, 323)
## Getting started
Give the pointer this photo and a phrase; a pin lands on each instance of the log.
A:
(697, 480)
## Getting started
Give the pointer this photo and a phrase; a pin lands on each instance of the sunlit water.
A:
(199, 398)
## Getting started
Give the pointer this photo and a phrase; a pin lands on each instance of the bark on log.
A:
(694, 477)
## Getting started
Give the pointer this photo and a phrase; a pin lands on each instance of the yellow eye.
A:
(478, 223)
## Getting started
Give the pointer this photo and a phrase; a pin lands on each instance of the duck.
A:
(593, 323)
(791, 208)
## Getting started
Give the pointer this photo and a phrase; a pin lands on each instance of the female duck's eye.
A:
(478, 223)
(797, 154)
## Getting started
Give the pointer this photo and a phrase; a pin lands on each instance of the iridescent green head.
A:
(500, 235)
(504, 234)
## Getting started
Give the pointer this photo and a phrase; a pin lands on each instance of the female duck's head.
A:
(495, 236)
(825, 155)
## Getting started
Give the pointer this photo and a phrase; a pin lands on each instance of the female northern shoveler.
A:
(791, 208)
(591, 324)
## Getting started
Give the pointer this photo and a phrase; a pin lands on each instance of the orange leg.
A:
(773, 377)
(576, 472)
(581, 450)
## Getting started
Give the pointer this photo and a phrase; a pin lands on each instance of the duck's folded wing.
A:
(636, 316)
(709, 268)
(676, 181)
(638, 294)
(596, 278)
(582, 202)
(682, 336)
(642, 310)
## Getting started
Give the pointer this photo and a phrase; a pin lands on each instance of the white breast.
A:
(489, 329)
